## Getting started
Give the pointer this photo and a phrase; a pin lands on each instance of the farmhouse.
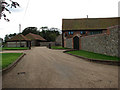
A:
(18, 41)
(35, 39)
(99, 35)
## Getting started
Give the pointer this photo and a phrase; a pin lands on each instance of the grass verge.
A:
(9, 58)
(58, 47)
(15, 48)
(92, 55)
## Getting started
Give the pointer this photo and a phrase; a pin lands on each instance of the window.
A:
(70, 32)
(82, 32)
(95, 32)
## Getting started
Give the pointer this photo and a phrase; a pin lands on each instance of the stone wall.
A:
(58, 40)
(69, 43)
(102, 43)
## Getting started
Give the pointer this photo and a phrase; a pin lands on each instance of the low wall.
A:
(102, 43)
(47, 43)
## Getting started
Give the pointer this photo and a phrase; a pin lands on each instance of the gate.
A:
(76, 42)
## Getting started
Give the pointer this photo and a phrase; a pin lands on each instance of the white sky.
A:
(51, 12)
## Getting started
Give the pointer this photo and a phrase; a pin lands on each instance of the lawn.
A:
(92, 55)
(8, 58)
(15, 48)
(58, 47)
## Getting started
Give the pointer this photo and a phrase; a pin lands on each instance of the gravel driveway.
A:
(45, 68)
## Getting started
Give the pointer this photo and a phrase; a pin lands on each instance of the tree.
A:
(30, 30)
(49, 34)
(44, 28)
(4, 7)
(9, 36)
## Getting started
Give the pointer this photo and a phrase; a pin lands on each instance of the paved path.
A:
(13, 51)
(45, 68)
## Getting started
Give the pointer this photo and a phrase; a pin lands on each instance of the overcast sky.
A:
(38, 13)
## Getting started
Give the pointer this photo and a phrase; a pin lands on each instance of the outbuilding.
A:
(35, 39)
(18, 41)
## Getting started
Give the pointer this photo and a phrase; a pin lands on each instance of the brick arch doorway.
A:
(76, 42)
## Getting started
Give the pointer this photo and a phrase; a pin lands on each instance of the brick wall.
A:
(102, 43)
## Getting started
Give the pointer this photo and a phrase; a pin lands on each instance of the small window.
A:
(72, 33)
(69, 33)
(81, 32)
(84, 32)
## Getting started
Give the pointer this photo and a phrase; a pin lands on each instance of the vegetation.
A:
(58, 47)
(9, 58)
(49, 34)
(30, 30)
(15, 48)
(92, 55)
(4, 7)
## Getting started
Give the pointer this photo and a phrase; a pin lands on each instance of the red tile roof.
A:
(19, 37)
(32, 36)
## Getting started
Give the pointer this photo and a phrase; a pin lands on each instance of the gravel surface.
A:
(46, 68)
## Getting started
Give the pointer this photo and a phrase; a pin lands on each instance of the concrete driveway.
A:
(45, 68)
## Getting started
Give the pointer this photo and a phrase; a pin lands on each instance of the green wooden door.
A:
(76, 42)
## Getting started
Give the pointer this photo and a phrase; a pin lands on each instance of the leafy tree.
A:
(6, 37)
(44, 28)
(9, 36)
(49, 34)
(4, 7)
(30, 30)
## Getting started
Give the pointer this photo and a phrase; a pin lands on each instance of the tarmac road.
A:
(46, 68)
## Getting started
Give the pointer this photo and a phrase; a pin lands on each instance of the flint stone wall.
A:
(103, 43)
(69, 43)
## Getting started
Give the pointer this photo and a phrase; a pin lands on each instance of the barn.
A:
(74, 29)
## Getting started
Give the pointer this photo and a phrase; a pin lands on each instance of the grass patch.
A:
(92, 55)
(15, 48)
(9, 58)
(58, 47)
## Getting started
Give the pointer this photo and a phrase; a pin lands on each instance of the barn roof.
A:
(18, 37)
(32, 36)
(89, 23)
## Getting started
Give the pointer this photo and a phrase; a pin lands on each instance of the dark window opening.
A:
(82, 32)
(95, 32)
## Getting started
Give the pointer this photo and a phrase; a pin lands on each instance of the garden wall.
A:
(47, 43)
(102, 43)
